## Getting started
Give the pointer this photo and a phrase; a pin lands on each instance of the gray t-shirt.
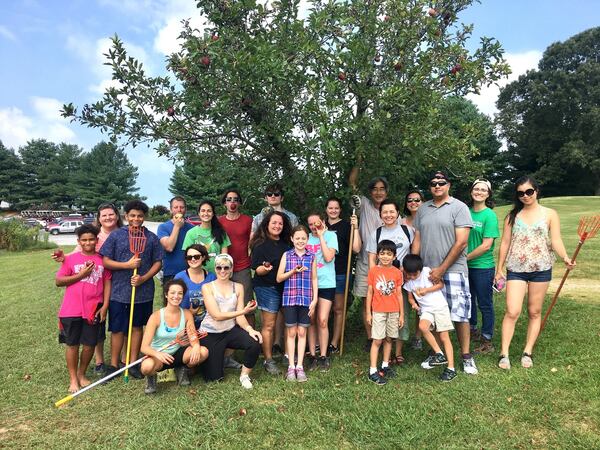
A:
(369, 222)
(396, 235)
(437, 228)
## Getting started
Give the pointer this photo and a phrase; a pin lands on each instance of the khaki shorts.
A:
(245, 279)
(439, 319)
(384, 325)
(360, 279)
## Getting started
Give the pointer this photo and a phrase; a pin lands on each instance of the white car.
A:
(67, 226)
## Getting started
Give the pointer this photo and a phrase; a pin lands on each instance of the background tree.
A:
(322, 103)
(36, 156)
(550, 118)
(11, 176)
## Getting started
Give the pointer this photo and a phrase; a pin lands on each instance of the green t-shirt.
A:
(199, 235)
(485, 225)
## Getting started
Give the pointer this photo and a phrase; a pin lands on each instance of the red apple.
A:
(398, 66)
(386, 18)
(457, 68)
(58, 253)
(214, 37)
(432, 12)
(170, 111)
(205, 61)
(342, 76)
(252, 303)
(377, 57)
(267, 264)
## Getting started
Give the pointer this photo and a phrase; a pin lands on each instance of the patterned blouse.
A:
(530, 246)
(297, 290)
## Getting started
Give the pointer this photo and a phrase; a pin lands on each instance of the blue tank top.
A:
(165, 334)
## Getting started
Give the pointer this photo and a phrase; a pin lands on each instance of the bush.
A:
(15, 236)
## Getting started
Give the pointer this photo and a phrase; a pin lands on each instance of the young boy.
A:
(118, 258)
(84, 305)
(433, 311)
(384, 310)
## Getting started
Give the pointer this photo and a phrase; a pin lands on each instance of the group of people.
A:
(435, 257)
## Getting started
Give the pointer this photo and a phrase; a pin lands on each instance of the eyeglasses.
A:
(224, 268)
(413, 200)
(528, 193)
(232, 199)
(273, 194)
(438, 183)
(194, 257)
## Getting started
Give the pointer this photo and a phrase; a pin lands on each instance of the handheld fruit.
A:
(267, 264)
(252, 303)
(58, 253)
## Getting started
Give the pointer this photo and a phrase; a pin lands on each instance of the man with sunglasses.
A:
(442, 234)
(274, 199)
(171, 235)
(238, 227)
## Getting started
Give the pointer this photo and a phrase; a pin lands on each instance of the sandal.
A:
(398, 360)
(504, 362)
(526, 360)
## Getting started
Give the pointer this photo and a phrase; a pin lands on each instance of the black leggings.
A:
(216, 343)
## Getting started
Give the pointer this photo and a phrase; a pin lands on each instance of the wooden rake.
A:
(588, 228)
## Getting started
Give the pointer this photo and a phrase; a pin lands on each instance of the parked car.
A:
(31, 222)
(68, 226)
(194, 220)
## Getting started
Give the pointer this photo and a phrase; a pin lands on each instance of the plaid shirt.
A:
(297, 290)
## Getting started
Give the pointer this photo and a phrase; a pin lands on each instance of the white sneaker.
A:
(246, 383)
(469, 366)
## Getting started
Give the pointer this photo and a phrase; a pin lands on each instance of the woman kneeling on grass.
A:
(162, 328)
(226, 324)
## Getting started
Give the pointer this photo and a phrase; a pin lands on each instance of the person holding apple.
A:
(171, 235)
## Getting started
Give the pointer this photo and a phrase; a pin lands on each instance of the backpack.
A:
(396, 263)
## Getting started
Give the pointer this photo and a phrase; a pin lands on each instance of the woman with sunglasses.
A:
(108, 220)
(480, 260)
(226, 324)
(209, 233)
(531, 232)
(194, 277)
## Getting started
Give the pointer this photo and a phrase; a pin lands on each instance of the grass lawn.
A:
(554, 405)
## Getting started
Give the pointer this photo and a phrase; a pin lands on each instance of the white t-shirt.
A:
(396, 235)
(433, 300)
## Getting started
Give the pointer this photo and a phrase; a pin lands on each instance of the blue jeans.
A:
(480, 281)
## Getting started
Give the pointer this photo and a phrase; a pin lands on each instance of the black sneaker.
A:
(135, 372)
(277, 351)
(448, 375)
(438, 360)
(100, 369)
(183, 376)
(377, 378)
(388, 372)
(324, 364)
(332, 350)
(313, 363)
(150, 384)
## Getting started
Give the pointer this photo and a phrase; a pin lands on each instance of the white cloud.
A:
(16, 128)
(519, 64)
(7, 33)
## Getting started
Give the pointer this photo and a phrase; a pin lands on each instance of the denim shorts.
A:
(268, 298)
(340, 283)
(540, 276)
(296, 316)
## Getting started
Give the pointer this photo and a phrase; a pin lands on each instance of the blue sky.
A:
(51, 53)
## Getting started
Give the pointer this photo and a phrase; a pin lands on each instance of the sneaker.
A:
(526, 361)
(277, 351)
(285, 360)
(475, 335)
(291, 374)
(332, 350)
(377, 378)
(417, 344)
(324, 363)
(469, 366)
(135, 372)
(150, 384)
(300, 375)
(504, 362)
(230, 363)
(438, 360)
(183, 376)
(109, 371)
(388, 372)
(484, 348)
(313, 363)
(100, 369)
(448, 375)
(245, 381)
(427, 363)
(271, 367)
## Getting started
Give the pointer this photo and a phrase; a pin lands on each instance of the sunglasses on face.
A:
(232, 199)
(438, 183)
(528, 193)
(224, 268)
(193, 257)
(273, 194)
(413, 200)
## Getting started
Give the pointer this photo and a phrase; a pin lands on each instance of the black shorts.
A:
(327, 293)
(118, 316)
(296, 316)
(77, 331)
(177, 359)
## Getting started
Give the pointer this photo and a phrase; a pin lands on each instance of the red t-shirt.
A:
(238, 231)
(386, 283)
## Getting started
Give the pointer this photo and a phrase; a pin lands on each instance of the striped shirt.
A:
(297, 290)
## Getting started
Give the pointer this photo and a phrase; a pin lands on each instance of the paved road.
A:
(71, 238)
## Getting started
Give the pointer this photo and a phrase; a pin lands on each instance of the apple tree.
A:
(321, 98)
